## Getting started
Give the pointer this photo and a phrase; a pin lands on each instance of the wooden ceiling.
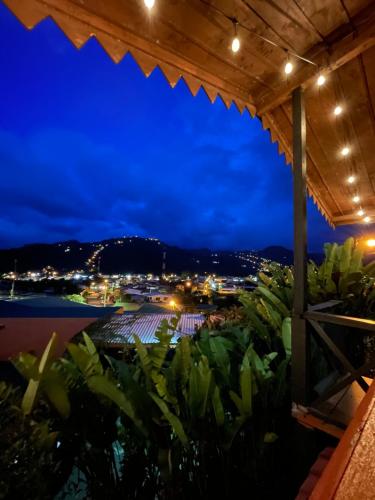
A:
(192, 39)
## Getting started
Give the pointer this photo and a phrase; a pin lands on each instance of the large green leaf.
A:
(200, 385)
(286, 335)
(100, 384)
(246, 387)
(173, 420)
(275, 301)
(218, 406)
(30, 397)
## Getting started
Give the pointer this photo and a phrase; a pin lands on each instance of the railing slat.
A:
(335, 319)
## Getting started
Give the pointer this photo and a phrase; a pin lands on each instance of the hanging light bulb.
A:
(337, 111)
(236, 41)
(149, 3)
(345, 151)
(351, 179)
(235, 44)
(361, 213)
(321, 80)
(366, 219)
(288, 68)
(356, 199)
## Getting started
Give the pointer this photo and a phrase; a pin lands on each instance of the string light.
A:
(236, 41)
(337, 111)
(288, 68)
(356, 199)
(351, 179)
(321, 80)
(149, 3)
(366, 219)
(235, 44)
(361, 212)
(345, 151)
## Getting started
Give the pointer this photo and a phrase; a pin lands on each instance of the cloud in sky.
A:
(91, 150)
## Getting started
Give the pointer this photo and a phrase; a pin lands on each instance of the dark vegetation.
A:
(209, 419)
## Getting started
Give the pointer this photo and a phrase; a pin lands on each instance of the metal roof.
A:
(119, 330)
(51, 307)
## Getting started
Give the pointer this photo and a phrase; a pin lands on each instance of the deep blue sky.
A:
(90, 150)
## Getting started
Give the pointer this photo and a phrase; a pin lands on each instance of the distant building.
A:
(158, 297)
(27, 324)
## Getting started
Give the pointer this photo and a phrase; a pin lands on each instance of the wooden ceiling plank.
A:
(341, 51)
(29, 12)
(138, 45)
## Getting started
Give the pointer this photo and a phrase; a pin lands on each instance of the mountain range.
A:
(138, 255)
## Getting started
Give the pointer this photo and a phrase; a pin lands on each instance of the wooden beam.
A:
(337, 353)
(324, 305)
(344, 44)
(335, 319)
(351, 218)
(300, 345)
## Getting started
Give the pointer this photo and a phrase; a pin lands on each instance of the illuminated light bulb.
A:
(236, 44)
(345, 151)
(149, 3)
(351, 179)
(370, 243)
(361, 212)
(337, 111)
(366, 219)
(288, 68)
(356, 199)
(321, 80)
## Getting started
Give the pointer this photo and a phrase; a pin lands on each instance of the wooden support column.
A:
(300, 345)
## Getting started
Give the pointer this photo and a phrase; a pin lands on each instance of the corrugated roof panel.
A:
(120, 329)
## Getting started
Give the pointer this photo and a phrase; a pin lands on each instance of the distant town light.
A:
(337, 111)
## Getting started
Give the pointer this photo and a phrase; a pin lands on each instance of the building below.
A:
(119, 329)
(26, 325)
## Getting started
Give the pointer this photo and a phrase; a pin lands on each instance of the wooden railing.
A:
(316, 319)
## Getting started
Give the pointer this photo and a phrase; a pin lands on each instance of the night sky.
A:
(92, 150)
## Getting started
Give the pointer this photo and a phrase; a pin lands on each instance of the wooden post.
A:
(300, 346)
